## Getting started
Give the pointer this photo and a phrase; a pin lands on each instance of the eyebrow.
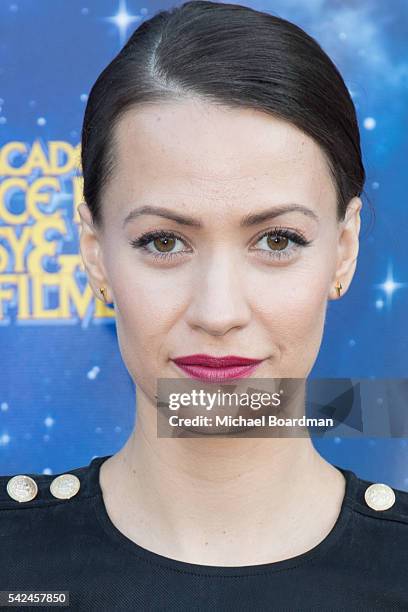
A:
(246, 221)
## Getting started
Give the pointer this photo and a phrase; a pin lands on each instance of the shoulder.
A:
(376, 501)
(36, 491)
(48, 525)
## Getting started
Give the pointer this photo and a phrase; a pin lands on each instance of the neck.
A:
(220, 501)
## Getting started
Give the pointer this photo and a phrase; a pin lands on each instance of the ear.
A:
(91, 252)
(348, 246)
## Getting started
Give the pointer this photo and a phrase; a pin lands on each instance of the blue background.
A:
(65, 395)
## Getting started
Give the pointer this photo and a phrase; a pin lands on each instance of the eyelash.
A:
(297, 238)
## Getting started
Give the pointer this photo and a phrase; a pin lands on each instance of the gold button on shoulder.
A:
(65, 486)
(379, 496)
(22, 488)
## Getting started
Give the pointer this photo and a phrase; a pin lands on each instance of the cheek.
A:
(147, 303)
(293, 311)
(148, 299)
(299, 314)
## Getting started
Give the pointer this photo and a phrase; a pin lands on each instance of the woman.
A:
(222, 182)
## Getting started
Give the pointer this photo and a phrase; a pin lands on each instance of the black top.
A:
(52, 544)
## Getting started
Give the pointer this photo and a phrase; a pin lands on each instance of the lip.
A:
(216, 369)
(210, 361)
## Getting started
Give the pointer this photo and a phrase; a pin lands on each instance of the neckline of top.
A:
(330, 540)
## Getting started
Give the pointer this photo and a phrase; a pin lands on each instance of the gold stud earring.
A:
(103, 291)
(338, 288)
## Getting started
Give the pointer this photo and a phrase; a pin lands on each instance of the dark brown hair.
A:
(231, 55)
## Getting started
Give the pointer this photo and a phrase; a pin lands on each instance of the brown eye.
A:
(277, 242)
(159, 244)
(168, 244)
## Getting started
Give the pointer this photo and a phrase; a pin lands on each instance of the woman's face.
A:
(218, 285)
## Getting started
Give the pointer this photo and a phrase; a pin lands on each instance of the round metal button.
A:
(22, 488)
(65, 486)
(379, 496)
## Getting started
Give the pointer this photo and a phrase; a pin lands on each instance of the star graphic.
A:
(122, 20)
(389, 286)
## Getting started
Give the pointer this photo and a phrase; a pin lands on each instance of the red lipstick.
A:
(216, 369)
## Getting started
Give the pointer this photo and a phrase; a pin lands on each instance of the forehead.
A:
(202, 151)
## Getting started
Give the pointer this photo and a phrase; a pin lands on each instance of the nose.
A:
(219, 302)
